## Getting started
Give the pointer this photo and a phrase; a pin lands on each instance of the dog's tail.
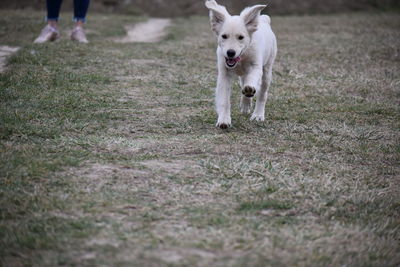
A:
(266, 18)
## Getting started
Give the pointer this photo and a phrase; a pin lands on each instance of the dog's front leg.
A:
(252, 80)
(222, 98)
(245, 102)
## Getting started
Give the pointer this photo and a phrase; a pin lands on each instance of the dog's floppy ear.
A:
(218, 15)
(250, 16)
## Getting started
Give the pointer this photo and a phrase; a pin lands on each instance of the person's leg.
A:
(50, 32)
(53, 11)
(80, 10)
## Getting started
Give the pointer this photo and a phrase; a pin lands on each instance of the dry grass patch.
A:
(109, 154)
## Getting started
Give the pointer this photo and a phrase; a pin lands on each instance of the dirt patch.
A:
(172, 167)
(151, 31)
(5, 52)
(178, 255)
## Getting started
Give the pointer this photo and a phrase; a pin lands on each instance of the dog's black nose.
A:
(231, 53)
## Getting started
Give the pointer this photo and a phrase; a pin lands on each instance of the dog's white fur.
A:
(250, 37)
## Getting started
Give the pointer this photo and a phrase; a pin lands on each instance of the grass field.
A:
(110, 155)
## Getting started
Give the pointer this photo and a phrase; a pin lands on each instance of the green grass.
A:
(109, 154)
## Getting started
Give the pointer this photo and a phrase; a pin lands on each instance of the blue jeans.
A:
(80, 9)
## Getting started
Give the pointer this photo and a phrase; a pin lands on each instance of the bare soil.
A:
(150, 31)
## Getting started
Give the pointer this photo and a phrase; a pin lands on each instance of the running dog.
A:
(246, 48)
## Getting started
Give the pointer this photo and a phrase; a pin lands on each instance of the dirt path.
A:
(150, 31)
(5, 52)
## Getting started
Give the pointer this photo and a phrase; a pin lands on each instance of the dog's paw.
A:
(224, 123)
(257, 117)
(249, 91)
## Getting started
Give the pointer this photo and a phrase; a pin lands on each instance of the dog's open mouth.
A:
(231, 62)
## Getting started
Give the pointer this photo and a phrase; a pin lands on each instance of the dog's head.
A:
(233, 32)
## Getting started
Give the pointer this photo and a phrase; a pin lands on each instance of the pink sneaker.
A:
(78, 34)
(48, 34)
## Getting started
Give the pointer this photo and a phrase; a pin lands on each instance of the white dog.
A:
(246, 48)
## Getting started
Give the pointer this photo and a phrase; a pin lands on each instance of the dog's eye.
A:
(224, 36)
(240, 37)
